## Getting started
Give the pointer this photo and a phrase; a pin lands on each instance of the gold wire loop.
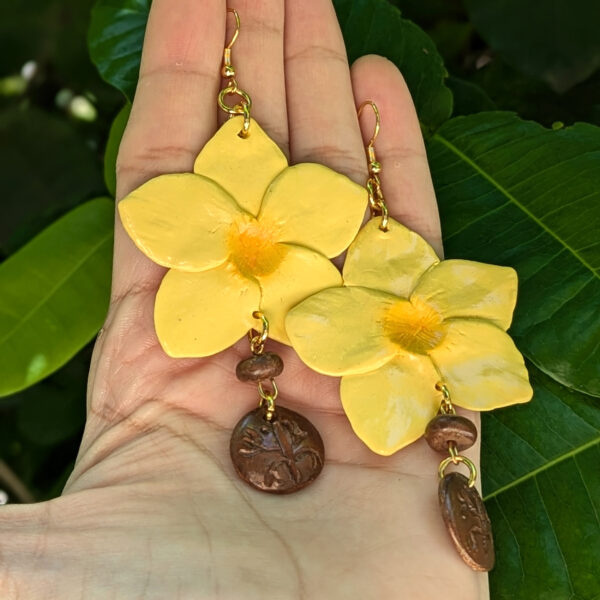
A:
(257, 345)
(268, 397)
(243, 107)
(453, 452)
(385, 215)
(268, 394)
(459, 458)
(232, 89)
(446, 406)
(245, 132)
(257, 341)
(376, 200)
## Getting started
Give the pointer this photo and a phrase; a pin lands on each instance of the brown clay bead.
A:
(445, 429)
(467, 521)
(259, 367)
(279, 456)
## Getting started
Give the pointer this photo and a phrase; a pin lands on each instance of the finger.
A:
(322, 116)
(258, 60)
(400, 149)
(173, 114)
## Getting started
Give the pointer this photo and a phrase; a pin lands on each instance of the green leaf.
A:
(376, 27)
(523, 440)
(557, 43)
(112, 148)
(469, 98)
(115, 40)
(46, 169)
(452, 38)
(429, 11)
(514, 193)
(533, 99)
(55, 294)
(540, 464)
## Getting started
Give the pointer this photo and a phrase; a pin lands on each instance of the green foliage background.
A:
(508, 95)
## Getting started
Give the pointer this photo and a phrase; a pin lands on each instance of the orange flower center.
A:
(254, 249)
(414, 326)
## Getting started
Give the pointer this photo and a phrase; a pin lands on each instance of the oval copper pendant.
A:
(467, 521)
(280, 456)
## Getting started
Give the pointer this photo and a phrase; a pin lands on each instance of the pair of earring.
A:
(247, 240)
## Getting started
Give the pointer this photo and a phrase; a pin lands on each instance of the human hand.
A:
(153, 508)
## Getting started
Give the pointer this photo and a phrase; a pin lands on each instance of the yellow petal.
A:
(314, 206)
(389, 408)
(243, 166)
(301, 273)
(340, 331)
(200, 314)
(392, 261)
(180, 221)
(481, 366)
(463, 288)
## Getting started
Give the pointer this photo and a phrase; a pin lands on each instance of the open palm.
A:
(153, 508)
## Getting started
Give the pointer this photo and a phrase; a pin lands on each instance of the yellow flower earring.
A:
(245, 239)
(411, 336)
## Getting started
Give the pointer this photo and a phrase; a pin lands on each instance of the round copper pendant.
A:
(467, 521)
(278, 456)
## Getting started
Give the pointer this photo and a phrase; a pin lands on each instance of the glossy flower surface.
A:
(244, 232)
(404, 321)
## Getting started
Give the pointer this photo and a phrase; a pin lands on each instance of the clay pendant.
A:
(278, 456)
(467, 521)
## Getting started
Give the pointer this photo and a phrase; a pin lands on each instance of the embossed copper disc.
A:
(278, 456)
(467, 521)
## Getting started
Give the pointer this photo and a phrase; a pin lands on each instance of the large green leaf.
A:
(514, 193)
(55, 294)
(520, 441)
(542, 485)
(558, 43)
(376, 27)
(115, 41)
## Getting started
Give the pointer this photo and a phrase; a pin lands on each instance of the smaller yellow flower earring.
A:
(245, 238)
(411, 336)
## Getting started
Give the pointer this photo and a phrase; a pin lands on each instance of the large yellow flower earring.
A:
(245, 238)
(411, 336)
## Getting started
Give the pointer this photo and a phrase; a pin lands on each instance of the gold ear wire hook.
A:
(228, 70)
(374, 166)
(237, 28)
(376, 199)
(231, 87)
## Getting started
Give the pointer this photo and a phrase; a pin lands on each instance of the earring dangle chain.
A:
(462, 508)
(463, 429)
(272, 448)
